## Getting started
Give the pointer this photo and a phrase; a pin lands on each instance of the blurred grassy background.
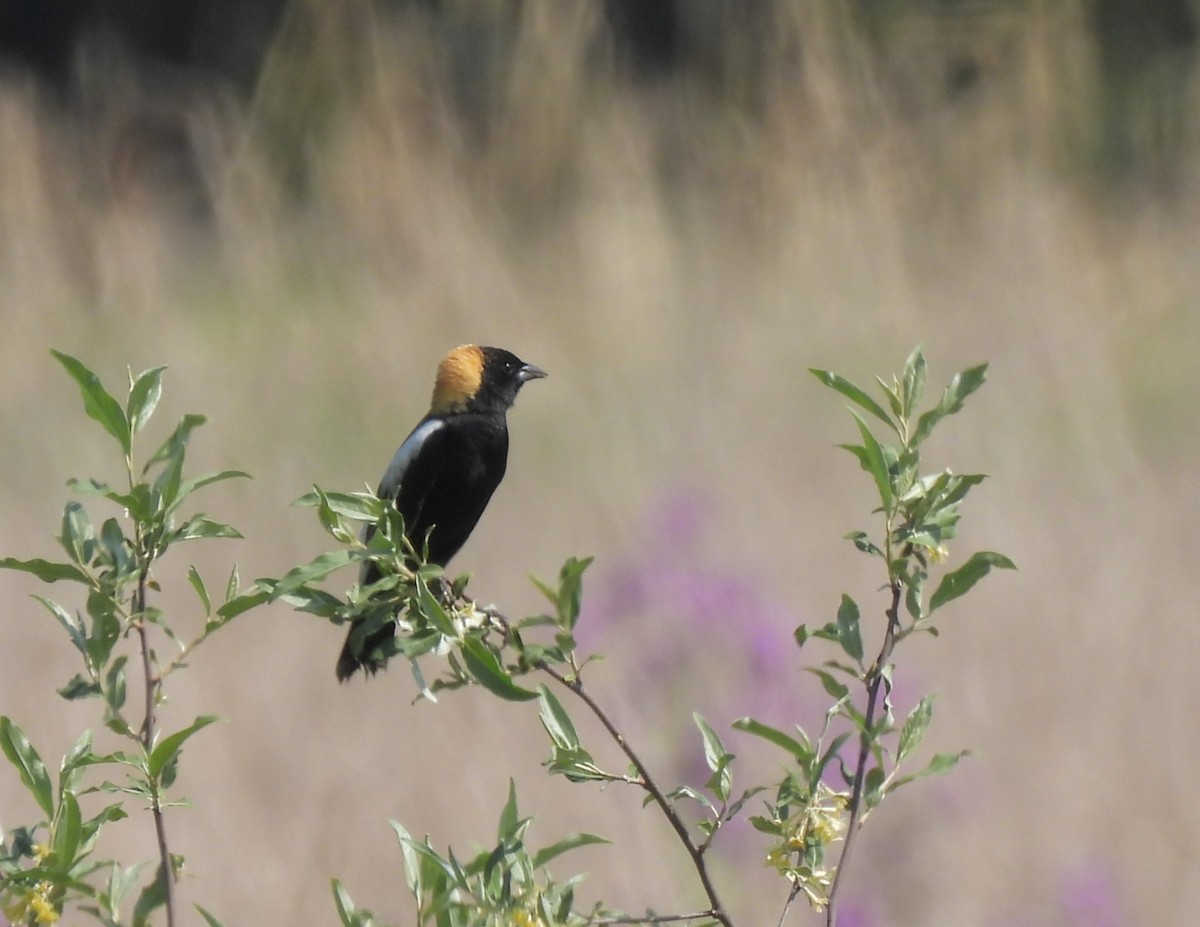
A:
(675, 239)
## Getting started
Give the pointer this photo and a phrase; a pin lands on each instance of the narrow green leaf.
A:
(69, 622)
(714, 750)
(187, 487)
(201, 526)
(801, 750)
(197, 583)
(313, 571)
(875, 462)
(960, 387)
(178, 440)
(485, 667)
(344, 905)
(508, 815)
(435, 612)
(243, 603)
(832, 686)
(854, 393)
(849, 632)
(569, 598)
(66, 831)
(412, 862)
(359, 506)
(97, 402)
(914, 727)
(556, 721)
(209, 919)
(29, 765)
(565, 845)
(78, 537)
(154, 895)
(960, 581)
(143, 398)
(45, 570)
(939, 765)
(913, 381)
(168, 748)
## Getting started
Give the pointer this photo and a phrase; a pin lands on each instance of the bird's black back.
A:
(448, 484)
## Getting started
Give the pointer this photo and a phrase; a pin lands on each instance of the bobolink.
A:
(444, 473)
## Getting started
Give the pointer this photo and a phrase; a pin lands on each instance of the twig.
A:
(655, 918)
(875, 681)
(148, 734)
(787, 905)
(575, 684)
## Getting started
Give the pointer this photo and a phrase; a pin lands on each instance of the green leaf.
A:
(347, 913)
(201, 526)
(66, 832)
(913, 382)
(960, 581)
(154, 895)
(78, 687)
(69, 622)
(168, 748)
(914, 727)
(874, 460)
(78, 537)
(29, 765)
(801, 750)
(97, 402)
(188, 487)
(832, 686)
(485, 667)
(714, 750)
(941, 763)
(434, 611)
(316, 569)
(412, 862)
(106, 627)
(143, 398)
(568, 597)
(509, 820)
(243, 603)
(358, 506)
(174, 445)
(849, 632)
(208, 918)
(961, 386)
(197, 583)
(854, 393)
(565, 845)
(556, 721)
(45, 570)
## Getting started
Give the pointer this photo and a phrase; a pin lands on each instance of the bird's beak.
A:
(530, 372)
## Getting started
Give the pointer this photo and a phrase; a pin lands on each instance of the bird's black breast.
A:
(448, 484)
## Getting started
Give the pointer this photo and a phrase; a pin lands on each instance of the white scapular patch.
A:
(394, 474)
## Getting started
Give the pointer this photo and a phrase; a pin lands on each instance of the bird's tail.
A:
(365, 655)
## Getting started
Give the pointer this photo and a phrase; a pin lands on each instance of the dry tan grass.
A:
(675, 264)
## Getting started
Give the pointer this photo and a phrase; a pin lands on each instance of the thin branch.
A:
(787, 905)
(149, 732)
(575, 684)
(875, 682)
(655, 918)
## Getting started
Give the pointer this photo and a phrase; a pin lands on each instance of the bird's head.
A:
(477, 379)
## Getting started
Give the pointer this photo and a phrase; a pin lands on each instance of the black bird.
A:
(444, 473)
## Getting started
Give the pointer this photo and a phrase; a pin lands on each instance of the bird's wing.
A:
(393, 476)
(393, 479)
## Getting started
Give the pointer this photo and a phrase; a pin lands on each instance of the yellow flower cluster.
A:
(33, 907)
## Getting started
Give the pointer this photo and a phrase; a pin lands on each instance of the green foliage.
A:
(112, 563)
(808, 817)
